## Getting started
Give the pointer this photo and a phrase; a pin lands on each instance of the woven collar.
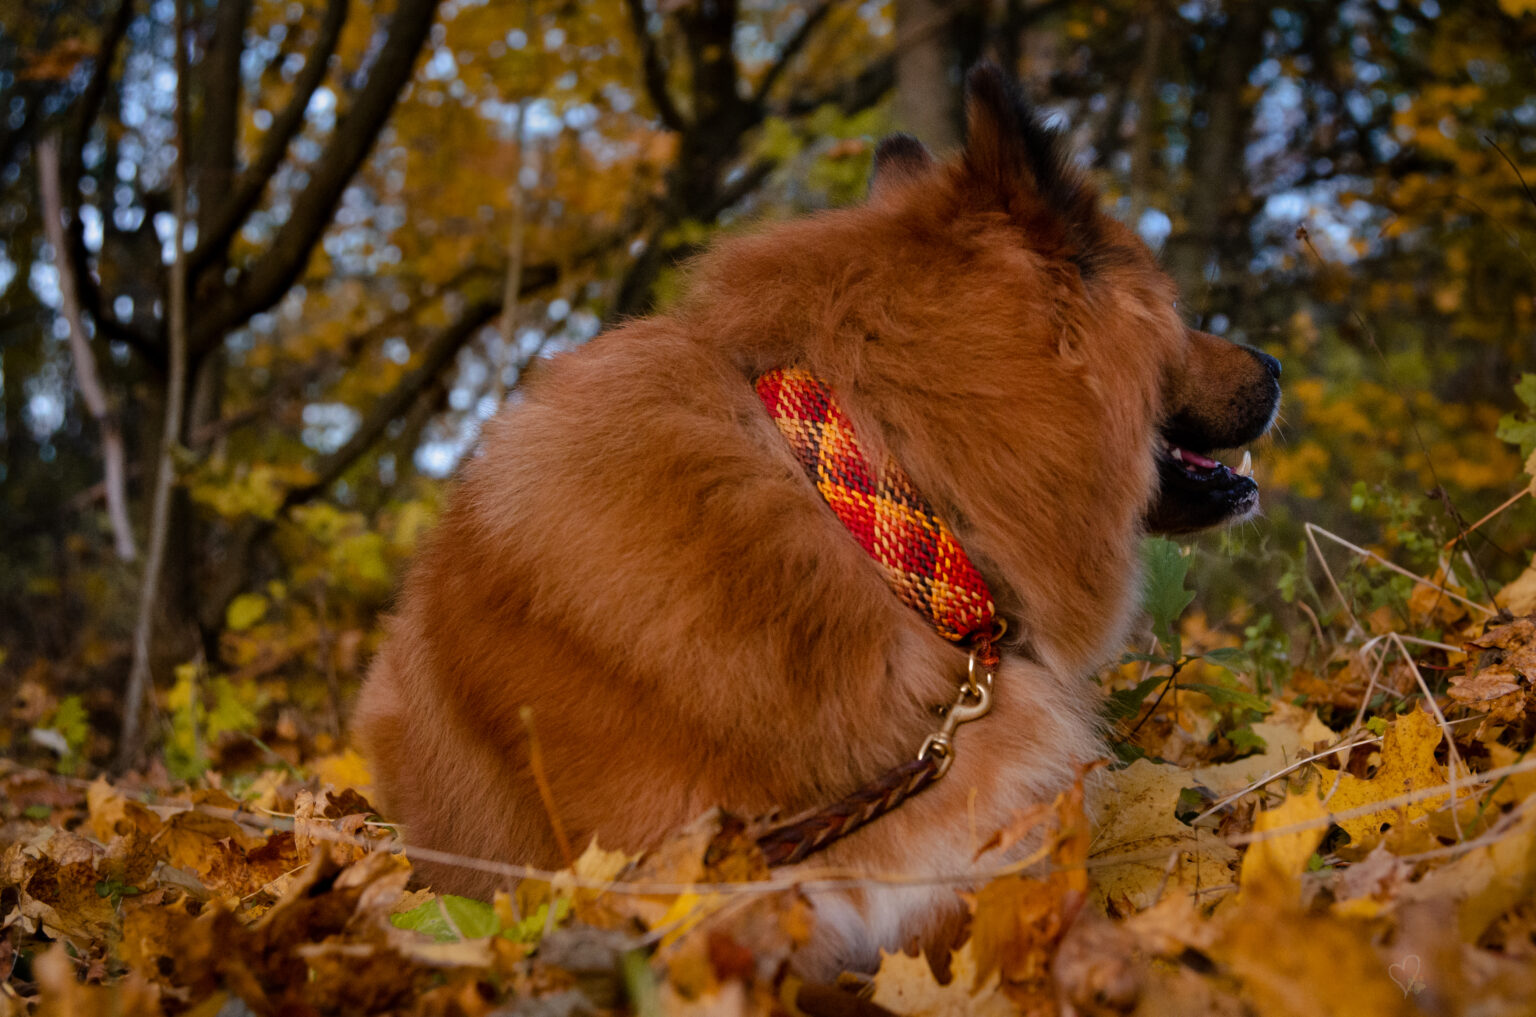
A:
(922, 562)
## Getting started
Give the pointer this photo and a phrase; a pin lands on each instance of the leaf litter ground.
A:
(1385, 868)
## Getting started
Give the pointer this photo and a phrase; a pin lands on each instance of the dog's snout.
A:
(1270, 363)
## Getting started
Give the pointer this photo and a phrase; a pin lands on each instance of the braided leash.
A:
(924, 565)
(792, 842)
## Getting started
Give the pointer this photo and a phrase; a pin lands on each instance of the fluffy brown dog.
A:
(639, 558)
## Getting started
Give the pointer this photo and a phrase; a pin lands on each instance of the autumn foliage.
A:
(1318, 789)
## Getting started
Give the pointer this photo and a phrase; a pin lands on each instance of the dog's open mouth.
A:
(1196, 490)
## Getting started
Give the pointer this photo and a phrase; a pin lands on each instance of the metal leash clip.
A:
(972, 703)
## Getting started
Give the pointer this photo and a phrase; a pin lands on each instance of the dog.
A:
(639, 559)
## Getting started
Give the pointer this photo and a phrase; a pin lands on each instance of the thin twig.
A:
(113, 454)
(139, 677)
(1391, 566)
(540, 778)
(1292, 768)
(1507, 503)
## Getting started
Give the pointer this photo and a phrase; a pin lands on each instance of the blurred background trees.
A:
(394, 210)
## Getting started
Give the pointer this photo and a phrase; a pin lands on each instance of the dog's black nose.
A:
(1270, 363)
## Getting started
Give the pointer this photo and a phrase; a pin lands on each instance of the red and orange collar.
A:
(922, 562)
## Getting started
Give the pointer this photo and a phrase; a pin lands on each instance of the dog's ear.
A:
(1012, 154)
(898, 158)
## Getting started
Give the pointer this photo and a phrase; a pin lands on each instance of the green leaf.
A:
(640, 984)
(474, 919)
(1229, 697)
(229, 711)
(531, 929)
(1518, 432)
(1127, 702)
(1376, 726)
(1164, 595)
(1246, 742)
(1146, 658)
(1525, 389)
(37, 811)
(1127, 753)
(1192, 801)
(1226, 656)
(71, 721)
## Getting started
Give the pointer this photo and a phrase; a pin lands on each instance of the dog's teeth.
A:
(1246, 469)
(1177, 453)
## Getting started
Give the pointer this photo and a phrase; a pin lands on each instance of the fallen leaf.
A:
(345, 769)
(1284, 838)
(905, 985)
(1519, 596)
(1407, 765)
(1485, 882)
(113, 814)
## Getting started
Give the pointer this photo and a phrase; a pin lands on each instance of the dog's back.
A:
(636, 558)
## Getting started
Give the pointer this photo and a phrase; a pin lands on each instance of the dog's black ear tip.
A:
(901, 151)
(986, 75)
(897, 157)
(899, 145)
(989, 85)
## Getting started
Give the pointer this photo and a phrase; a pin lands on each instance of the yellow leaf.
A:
(113, 815)
(344, 769)
(1486, 882)
(1294, 964)
(245, 610)
(597, 864)
(686, 912)
(1140, 821)
(1278, 856)
(905, 985)
(1407, 765)
(1517, 8)
(1519, 596)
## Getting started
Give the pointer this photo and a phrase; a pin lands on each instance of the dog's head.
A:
(1018, 351)
(1208, 395)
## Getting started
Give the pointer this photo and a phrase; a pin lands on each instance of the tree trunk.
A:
(928, 99)
(1216, 151)
(1144, 92)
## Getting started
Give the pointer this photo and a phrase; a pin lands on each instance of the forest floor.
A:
(1355, 836)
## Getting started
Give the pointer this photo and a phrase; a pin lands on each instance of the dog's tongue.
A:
(1196, 459)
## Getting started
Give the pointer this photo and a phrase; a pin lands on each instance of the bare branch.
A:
(96, 88)
(516, 249)
(862, 91)
(213, 239)
(276, 270)
(791, 48)
(87, 108)
(292, 384)
(655, 70)
(129, 745)
(435, 357)
(218, 125)
(748, 181)
(878, 77)
(114, 458)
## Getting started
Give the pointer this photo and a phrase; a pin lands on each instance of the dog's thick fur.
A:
(638, 557)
